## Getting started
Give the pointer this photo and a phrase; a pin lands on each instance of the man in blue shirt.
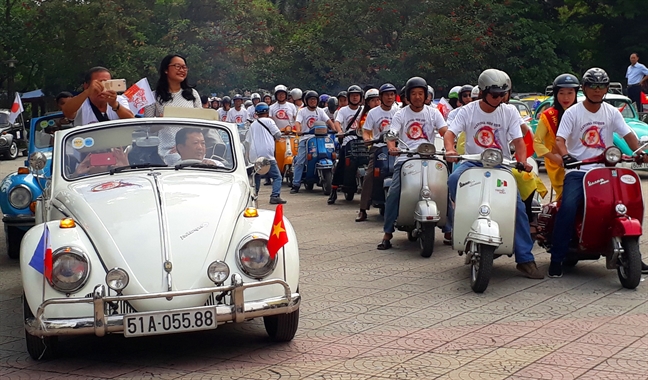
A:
(635, 73)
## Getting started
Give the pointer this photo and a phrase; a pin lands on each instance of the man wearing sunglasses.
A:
(586, 130)
(487, 124)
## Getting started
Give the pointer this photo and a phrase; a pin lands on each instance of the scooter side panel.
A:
(412, 183)
(604, 188)
(497, 189)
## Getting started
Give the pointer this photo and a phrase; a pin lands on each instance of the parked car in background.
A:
(13, 136)
(20, 189)
(140, 248)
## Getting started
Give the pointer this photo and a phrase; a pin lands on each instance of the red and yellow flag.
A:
(278, 234)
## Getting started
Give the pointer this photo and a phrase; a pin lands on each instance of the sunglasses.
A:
(497, 95)
(597, 86)
(179, 67)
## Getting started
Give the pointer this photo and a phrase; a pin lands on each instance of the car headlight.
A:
(254, 258)
(117, 279)
(70, 269)
(218, 272)
(492, 157)
(20, 197)
(3, 141)
(613, 155)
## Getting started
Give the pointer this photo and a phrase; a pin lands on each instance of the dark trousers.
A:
(634, 93)
(367, 183)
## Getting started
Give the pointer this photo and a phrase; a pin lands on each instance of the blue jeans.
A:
(522, 243)
(300, 161)
(393, 200)
(573, 197)
(273, 173)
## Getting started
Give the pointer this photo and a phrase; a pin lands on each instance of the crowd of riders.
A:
(478, 118)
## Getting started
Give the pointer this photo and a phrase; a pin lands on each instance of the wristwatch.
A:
(116, 109)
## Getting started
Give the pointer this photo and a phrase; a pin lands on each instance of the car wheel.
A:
(13, 151)
(13, 237)
(38, 348)
(282, 328)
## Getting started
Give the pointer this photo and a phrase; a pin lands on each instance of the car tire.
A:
(282, 328)
(12, 152)
(38, 348)
(13, 238)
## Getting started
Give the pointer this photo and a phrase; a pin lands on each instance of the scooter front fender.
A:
(485, 231)
(426, 211)
(626, 227)
(288, 160)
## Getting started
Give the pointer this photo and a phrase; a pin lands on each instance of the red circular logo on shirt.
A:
(485, 138)
(281, 115)
(384, 124)
(239, 119)
(592, 138)
(310, 122)
(415, 131)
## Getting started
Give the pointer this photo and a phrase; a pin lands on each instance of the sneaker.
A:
(530, 270)
(362, 216)
(555, 269)
(644, 268)
(294, 190)
(277, 201)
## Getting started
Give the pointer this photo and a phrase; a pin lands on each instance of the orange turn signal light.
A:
(32, 207)
(67, 223)
(250, 212)
(23, 170)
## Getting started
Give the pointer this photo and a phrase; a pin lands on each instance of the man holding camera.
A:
(96, 103)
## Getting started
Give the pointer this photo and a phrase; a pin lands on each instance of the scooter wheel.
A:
(410, 234)
(426, 239)
(309, 186)
(481, 267)
(629, 266)
(349, 195)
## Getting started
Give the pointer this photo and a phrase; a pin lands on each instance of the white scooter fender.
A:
(485, 231)
(426, 211)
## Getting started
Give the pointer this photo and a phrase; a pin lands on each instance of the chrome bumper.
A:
(102, 324)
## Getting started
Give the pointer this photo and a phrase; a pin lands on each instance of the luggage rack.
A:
(357, 148)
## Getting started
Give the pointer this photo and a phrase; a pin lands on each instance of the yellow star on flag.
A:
(277, 229)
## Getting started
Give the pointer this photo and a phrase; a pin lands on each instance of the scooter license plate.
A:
(329, 145)
(639, 166)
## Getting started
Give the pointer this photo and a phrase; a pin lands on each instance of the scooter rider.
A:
(488, 125)
(238, 114)
(296, 94)
(226, 105)
(256, 99)
(585, 130)
(306, 117)
(349, 117)
(414, 124)
(282, 112)
(430, 97)
(377, 122)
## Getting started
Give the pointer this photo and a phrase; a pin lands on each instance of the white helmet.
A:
(475, 92)
(508, 80)
(296, 94)
(255, 96)
(454, 92)
(279, 88)
(493, 80)
(371, 93)
(431, 91)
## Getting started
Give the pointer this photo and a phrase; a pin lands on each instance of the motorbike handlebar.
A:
(477, 157)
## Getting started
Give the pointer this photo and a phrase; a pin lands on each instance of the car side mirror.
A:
(37, 161)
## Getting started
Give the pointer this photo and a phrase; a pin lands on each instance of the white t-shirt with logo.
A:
(237, 117)
(415, 128)
(283, 114)
(452, 114)
(378, 121)
(487, 130)
(344, 117)
(85, 115)
(251, 114)
(587, 134)
(307, 117)
(222, 114)
(262, 142)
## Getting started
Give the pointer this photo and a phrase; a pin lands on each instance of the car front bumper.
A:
(19, 220)
(101, 324)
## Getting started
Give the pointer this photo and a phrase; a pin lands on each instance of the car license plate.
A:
(329, 145)
(169, 322)
(637, 166)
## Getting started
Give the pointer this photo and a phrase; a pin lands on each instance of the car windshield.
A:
(133, 146)
(4, 118)
(623, 106)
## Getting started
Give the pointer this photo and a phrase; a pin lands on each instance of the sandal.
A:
(385, 244)
(362, 216)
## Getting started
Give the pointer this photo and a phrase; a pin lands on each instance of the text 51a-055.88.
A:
(155, 323)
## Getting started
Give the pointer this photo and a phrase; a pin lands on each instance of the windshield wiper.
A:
(120, 169)
(198, 165)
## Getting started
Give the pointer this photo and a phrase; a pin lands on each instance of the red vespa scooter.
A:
(610, 224)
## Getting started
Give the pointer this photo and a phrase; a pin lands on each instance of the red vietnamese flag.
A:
(278, 234)
(528, 141)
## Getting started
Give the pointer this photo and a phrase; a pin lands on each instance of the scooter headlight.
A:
(492, 157)
(612, 155)
(426, 148)
(70, 269)
(254, 258)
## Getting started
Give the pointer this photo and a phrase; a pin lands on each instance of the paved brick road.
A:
(371, 314)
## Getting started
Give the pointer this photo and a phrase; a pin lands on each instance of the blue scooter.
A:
(319, 159)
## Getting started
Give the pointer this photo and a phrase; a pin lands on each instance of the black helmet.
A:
(355, 89)
(415, 82)
(565, 81)
(342, 94)
(332, 104)
(465, 88)
(595, 76)
(310, 94)
(386, 88)
(227, 99)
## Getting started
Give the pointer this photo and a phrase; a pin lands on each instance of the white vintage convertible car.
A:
(139, 247)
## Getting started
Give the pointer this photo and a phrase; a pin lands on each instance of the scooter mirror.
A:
(391, 136)
(643, 140)
(261, 166)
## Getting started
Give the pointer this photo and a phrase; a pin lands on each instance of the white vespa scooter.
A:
(484, 221)
(424, 194)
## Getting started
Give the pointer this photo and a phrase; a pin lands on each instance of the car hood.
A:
(124, 218)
